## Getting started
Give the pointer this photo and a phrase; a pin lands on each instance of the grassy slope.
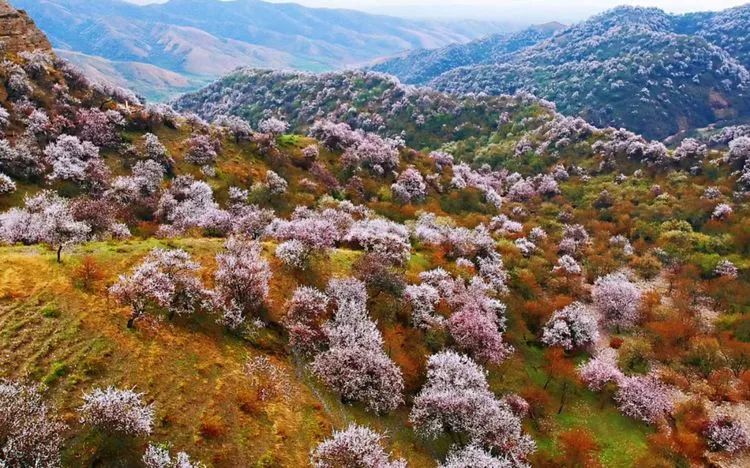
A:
(68, 339)
(54, 332)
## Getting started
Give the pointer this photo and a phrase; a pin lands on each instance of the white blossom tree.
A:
(46, 218)
(6, 184)
(456, 399)
(387, 239)
(159, 456)
(572, 327)
(154, 150)
(29, 434)
(114, 410)
(423, 298)
(355, 446)
(474, 456)
(275, 183)
(72, 159)
(273, 126)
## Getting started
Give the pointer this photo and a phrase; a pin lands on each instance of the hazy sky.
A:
(507, 10)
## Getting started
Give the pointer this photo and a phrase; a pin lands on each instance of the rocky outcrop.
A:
(18, 32)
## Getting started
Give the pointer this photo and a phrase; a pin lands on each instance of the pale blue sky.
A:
(507, 10)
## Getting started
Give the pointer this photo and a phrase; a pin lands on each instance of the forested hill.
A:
(640, 68)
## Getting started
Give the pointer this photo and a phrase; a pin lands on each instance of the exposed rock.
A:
(18, 32)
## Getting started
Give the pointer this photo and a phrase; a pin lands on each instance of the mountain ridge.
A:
(640, 68)
(207, 39)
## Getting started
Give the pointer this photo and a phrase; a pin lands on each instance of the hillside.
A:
(175, 292)
(145, 79)
(421, 66)
(642, 69)
(205, 39)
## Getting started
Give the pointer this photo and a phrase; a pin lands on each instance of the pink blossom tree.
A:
(644, 398)
(140, 188)
(166, 279)
(575, 238)
(617, 299)
(727, 434)
(477, 322)
(521, 191)
(355, 365)
(307, 233)
(100, 127)
(189, 203)
(273, 126)
(242, 276)
(410, 186)
(601, 370)
(202, 150)
(305, 313)
(442, 159)
(476, 331)
(547, 186)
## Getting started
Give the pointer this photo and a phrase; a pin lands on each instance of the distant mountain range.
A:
(164, 49)
(640, 68)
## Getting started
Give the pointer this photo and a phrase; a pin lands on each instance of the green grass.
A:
(50, 311)
(59, 369)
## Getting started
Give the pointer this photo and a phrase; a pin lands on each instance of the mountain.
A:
(421, 66)
(204, 39)
(651, 72)
(143, 78)
(538, 292)
(19, 33)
